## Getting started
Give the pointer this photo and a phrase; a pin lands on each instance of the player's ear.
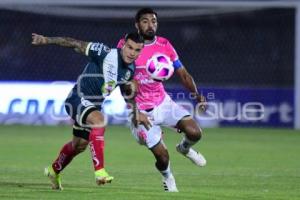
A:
(137, 26)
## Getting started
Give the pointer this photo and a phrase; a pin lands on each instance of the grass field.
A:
(242, 164)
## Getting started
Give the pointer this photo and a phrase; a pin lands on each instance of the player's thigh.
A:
(171, 113)
(95, 118)
(79, 109)
(149, 138)
(81, 132)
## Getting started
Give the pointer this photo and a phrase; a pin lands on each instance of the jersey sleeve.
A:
(173, 56)
(96, 51)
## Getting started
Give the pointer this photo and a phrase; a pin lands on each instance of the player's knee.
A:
(80, 146)
(194, 134)
(96, 119)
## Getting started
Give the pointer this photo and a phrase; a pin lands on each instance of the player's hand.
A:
(38, 39)
(141, 118)
(201, 102)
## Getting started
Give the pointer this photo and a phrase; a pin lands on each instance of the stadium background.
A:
(236, 54)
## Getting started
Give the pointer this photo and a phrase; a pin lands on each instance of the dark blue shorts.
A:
(78, 108)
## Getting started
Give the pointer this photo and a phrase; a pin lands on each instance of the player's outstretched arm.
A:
(77, 45)
(188, 81)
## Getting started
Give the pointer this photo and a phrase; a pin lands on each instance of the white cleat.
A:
(196, 157)
(169, 184)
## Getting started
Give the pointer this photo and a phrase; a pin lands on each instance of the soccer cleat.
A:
(54, 178)
(196, 157)
(169, 184)
(102, 177)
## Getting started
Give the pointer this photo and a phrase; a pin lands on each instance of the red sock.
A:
(67, 153)
(97, 147)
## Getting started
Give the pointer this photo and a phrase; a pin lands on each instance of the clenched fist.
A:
(38, 39)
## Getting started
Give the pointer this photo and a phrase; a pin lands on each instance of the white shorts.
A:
(168, 113)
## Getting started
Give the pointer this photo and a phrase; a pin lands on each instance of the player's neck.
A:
(146, 42)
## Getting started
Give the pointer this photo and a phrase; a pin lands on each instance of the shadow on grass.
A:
(21, 185)
(40, 186)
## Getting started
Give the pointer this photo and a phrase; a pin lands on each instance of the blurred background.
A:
(242, 55)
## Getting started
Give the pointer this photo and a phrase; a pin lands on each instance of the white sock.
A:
(167, 172)
(186, 144)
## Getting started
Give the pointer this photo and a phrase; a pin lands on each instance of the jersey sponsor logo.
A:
(111, 74)
(111, 70)
(97, 47)
(143, 78)
(146, 81)
(127, 75)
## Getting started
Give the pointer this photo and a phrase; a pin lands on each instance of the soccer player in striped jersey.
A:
(107, 69)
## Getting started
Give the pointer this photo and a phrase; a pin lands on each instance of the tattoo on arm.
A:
(77, 45)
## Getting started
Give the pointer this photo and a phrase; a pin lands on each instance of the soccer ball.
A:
(160, 67)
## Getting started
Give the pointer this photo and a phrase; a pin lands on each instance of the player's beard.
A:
(149, 35)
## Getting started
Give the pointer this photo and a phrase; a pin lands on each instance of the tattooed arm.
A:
(77, 45)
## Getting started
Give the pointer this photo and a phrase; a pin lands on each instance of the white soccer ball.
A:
(160, 67)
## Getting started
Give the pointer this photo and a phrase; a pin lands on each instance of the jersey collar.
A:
(151, 42)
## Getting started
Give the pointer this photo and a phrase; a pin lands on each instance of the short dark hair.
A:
(144, 11)
(134, 36)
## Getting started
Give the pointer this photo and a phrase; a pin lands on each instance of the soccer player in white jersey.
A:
(157, 104)
(107, 69)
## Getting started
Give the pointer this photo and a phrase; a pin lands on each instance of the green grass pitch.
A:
(242, 164)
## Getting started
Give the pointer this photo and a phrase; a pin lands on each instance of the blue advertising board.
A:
(43, 103)
(267, 107)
